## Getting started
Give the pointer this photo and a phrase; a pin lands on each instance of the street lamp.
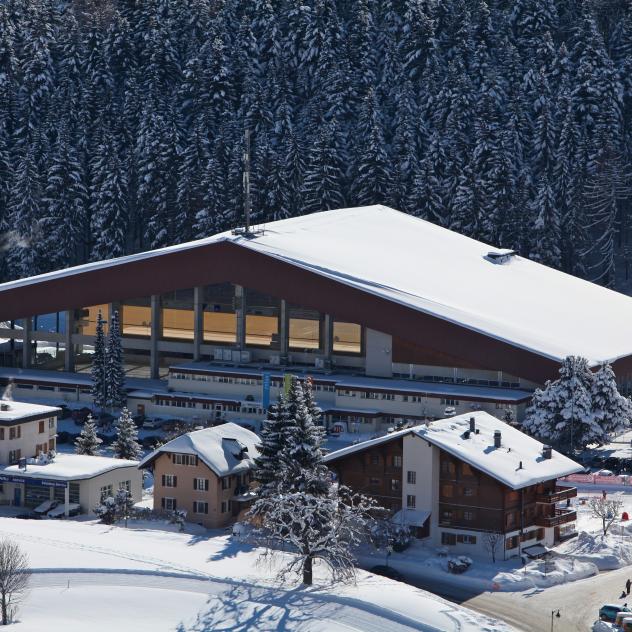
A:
(554, 614)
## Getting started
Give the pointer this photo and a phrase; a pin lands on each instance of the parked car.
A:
(79, 416)
(605, 473)
(387, 571)
(45, 507)
(608, 612)
(152, 424)
(60, 510)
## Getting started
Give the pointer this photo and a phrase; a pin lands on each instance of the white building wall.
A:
(90, 489)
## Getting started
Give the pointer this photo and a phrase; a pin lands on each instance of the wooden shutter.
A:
(206, 484)
(175, 481)
(195, 484)
(162, 500)
(163, 481)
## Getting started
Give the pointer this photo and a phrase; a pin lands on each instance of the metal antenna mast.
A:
(246, 179)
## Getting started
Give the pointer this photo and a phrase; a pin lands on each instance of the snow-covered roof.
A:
(217, 447)
(439, 272)
(517, 463)
(70, 467)
(12, 411)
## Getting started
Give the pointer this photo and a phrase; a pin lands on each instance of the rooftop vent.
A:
(520, 465)
(500, 256)
(466, 434)
(547, 452)
(497, 438)
(4, 406)
(472, 424)
(236, 448)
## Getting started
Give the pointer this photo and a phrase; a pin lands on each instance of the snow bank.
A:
(605, 552)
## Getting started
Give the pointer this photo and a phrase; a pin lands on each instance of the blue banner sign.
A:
(265, 397)
(40, 482)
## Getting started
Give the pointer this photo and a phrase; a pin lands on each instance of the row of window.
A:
(50, 388)
(184, 459)
(221, 379)
(179, 403)
(450, 539)
(199, 484)
(199, 507)
(393, 397)
(450, 491)
(395, 460)
(15, 432)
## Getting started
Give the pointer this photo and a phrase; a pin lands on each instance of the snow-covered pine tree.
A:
(116, 395)
(98, 366)
(561, 413)
(88, 442)
(611, 410)
(126, 444)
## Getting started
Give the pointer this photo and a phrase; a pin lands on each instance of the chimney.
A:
(466, 434)
(547, 452)
(472, 424)
(4, 407)
(497, 437)
(520, 465)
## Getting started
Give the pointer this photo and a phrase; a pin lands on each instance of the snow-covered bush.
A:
(178, 516)
(106, 511)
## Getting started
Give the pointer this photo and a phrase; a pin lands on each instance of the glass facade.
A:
(136, 318)
(262, 320)
(305, 329)
(347, 337)
(86, 319)
(220, 319)
(178, 315)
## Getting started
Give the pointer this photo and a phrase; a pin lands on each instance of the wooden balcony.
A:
(559, 495)
(562, 516)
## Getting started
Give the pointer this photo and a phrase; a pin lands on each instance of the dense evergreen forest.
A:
(122, 122)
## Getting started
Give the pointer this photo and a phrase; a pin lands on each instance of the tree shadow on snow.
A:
(247, 608)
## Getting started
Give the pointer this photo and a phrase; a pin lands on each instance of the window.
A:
(411, 501)
(15, 432)
(466, 471)
(411, 477)
(185, 459)
(200, 484)
(395, 484)
(375, 459)
(469, 491)
(51, 444)
(105, 492)
(126, 485)
(449, 402)
(374, 482)
(448, 539)
(14, 456)
(446, 515)
(51, 423)
(41, 427)
(511, 543)
(388, 396)
(539, 534)
(469, 515)
(226, 482)
(447, 491)
(169, 480)
(447, 468)
(2, 434)
(466, 539)
(73, 492)
(200, 507)
(510, 519)
(169, 504)
(224, 507)
(397, 461)
(347, 337)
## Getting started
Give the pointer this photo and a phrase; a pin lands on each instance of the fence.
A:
(595, 479)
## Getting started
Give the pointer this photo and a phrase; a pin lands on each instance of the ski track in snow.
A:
(353, 613)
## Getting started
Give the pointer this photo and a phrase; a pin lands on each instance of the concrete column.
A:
(198, 321)
(69, 355)
(26, 343)
(328, 339)
(156, 330)
(240, 310)
(284, 332)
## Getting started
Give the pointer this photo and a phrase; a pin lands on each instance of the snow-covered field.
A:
(162, 580)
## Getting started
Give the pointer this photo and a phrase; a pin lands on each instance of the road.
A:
(578, 602)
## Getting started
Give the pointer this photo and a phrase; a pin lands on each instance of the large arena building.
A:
(394, 318)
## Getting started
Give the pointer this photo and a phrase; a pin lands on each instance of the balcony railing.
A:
(562, 516)
(560, 494)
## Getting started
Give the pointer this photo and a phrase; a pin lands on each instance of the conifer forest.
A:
(122, 122)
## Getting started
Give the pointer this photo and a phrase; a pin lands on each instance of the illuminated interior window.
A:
(136, 320)
(262, 319)
(87, 320)
(347, 337)
(220, 320)
(304, 331)
(177, 323)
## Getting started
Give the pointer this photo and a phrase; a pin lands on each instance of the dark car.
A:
(387, 571)
(608, 612)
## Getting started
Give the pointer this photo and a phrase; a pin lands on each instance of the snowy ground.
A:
(202, 582)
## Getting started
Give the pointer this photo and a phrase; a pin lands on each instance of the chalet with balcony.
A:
(457, 481)
(206, 473)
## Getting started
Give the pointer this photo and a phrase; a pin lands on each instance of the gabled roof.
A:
(401, 260)
(217, 447)
(517, 463)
